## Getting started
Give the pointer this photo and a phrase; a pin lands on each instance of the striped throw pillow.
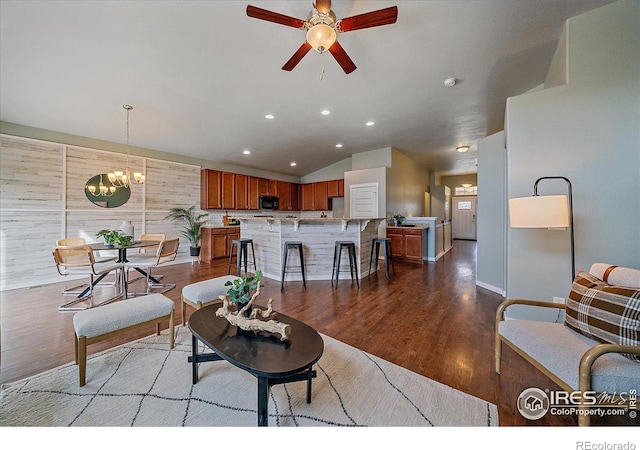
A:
(609, 314)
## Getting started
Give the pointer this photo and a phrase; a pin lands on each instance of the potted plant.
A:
(397, 219)
(193, 222)
(113, 237)
(243, 288)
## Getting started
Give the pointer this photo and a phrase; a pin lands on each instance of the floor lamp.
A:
(548, 211)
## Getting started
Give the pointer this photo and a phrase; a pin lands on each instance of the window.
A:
(464, 204)
(471, 190)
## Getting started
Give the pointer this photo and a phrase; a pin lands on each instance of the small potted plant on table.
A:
(243, 289)
(113, 237)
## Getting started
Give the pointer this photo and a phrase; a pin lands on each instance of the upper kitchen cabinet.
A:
(316, 196)
(306, 197)
(287, 194)
(242, 191)
(254, 193)
(228, 190)
(263, 186)
(335, 188)
(320, 197)
(210, 189)
(225, 190)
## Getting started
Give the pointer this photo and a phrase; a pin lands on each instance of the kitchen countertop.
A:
(415, 226)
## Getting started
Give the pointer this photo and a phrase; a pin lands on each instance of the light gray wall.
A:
(588, 131)
(492, 213)
(333, 172)
(371, 159)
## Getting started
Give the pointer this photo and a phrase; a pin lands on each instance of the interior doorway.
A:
(464, 218)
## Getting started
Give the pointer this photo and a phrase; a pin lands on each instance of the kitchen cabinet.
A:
(294, 198)
(406, 243)
(317, 196)
(335, 188)
(225, 190)
(288, 196)
(263, 186)
(320, 197)
(306, 197)
(210, 189)
(228, 190)
(215, 242)
(284, 195)
(242, 192)
(253, 195)
(273, 188)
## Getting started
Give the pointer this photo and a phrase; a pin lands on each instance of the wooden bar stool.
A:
(387, 252)
(241, 257)
(353, 261)
(289, 245)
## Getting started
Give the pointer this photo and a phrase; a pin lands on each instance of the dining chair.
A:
(102, 258)
(159, 237)
(166, 252)
(79, 260)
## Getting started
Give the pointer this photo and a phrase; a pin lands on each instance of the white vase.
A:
(126, 228)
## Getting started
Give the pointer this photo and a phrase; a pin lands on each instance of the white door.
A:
(363, 200)
(464, 218)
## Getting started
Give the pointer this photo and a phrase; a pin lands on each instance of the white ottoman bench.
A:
(203, 293)
(98, 324)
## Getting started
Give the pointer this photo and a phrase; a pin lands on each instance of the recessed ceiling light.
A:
(369, 124)
(463, 148)
(325, 112)
(338, 145)
(270, 116)
(247, 152)
(449, 82)
(293, 164)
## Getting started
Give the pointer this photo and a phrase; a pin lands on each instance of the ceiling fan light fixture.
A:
(321, 37)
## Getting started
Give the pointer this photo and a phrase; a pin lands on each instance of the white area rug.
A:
(144, 384)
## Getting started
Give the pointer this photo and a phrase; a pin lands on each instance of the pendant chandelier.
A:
(122, 178)
(101, 190)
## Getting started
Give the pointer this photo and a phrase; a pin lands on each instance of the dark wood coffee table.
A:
(263, 355)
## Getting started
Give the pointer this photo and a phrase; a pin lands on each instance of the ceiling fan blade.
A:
(270, 16)
(341, 56)
(371, 19)
(297, 57)
(323, 6)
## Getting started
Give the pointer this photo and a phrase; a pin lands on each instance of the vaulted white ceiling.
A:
(201, 76)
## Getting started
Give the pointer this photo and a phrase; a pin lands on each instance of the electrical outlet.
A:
(558, 299)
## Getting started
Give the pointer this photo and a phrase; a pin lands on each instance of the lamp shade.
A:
(321, 37)
(548, 211)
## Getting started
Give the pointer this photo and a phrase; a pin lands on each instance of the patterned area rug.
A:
(144, 384)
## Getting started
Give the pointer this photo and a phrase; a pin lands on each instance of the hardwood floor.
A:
(430, 319)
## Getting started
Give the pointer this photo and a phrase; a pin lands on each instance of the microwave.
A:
(269, 202)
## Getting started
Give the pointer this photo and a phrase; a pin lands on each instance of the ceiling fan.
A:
(322, 28)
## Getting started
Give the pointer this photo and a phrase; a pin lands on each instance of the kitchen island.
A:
(318, 237)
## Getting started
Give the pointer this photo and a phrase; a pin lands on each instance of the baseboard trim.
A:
(491, 288)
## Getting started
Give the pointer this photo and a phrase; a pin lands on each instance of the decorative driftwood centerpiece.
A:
(258, 320)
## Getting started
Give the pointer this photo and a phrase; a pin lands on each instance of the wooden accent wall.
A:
(43, 200)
